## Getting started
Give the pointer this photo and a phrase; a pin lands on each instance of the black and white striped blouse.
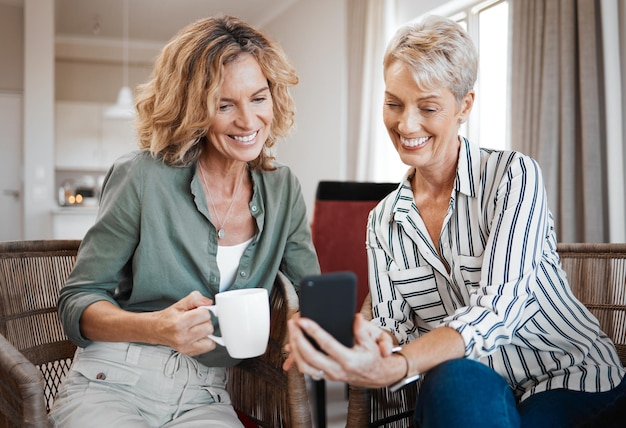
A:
(505, 291)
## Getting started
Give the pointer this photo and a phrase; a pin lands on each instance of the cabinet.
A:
(72, 223)
(85, 140)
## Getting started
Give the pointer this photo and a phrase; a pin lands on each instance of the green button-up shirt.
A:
(153, 242)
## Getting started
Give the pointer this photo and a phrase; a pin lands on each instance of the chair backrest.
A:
(597, 276)
(339, 226)
(31, 275)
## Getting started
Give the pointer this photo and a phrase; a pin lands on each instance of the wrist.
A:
(405, 360)
(411, 364)
(412, 373)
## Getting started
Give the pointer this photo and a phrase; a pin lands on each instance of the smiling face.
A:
(244, 112)
(423, 125)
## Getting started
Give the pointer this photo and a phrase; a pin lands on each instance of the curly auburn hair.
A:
(176, 107)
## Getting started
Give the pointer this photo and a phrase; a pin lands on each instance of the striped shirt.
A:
(499, 280)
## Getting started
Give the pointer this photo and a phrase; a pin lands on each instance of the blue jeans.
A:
(465, 393)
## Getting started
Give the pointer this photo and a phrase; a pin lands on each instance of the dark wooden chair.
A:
(35, 354)
(339, 225)
(597, 276)
(338, 231)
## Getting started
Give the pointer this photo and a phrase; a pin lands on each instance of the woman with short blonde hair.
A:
(467, 287)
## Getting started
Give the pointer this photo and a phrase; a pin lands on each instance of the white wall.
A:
(411, 9)
(313, 34)
(11, 47)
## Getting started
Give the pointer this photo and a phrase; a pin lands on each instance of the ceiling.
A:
(153, 20)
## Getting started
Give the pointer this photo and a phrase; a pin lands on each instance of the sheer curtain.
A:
(614, 44)
(370, 151)
(559, 114)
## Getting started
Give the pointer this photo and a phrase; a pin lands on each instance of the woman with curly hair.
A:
(203, 207)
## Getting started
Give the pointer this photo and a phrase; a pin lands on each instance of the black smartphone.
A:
(329, 299)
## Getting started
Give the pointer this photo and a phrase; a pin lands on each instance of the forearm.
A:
(105, 322)
(182, 326)
(433, 348)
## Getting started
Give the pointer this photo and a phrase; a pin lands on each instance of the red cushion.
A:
(245, 420)
(338, 230)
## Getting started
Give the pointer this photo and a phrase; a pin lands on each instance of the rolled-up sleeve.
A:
(105, 254)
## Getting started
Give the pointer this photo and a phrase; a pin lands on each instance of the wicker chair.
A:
(35, 353)
(597, 276)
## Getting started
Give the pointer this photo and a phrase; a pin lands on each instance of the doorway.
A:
(10, 167)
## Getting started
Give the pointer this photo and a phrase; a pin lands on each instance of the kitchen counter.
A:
(76, 209)
(72, 222)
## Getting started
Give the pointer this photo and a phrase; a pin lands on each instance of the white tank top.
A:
(228, 258)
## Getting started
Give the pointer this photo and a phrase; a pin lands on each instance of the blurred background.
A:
(65, 65)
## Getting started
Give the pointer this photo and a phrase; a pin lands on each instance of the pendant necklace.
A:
(221, 233)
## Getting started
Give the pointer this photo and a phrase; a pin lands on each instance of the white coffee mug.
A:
(244, 321)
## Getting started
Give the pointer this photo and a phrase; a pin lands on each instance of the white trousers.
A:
(132, 385)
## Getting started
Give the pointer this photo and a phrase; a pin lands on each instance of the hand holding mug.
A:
(244, 321)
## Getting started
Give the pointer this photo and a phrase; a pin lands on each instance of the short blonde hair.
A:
(176, 107)
(440, 53)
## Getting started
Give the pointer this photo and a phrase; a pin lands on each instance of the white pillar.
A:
(38, 154)
(614, 115)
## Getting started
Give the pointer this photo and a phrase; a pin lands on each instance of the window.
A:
(488, 125)
(488, 24)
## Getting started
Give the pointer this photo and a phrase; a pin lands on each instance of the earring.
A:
(461, 120)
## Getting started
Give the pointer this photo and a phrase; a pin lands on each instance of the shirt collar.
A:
(466, 182)
(468, 169)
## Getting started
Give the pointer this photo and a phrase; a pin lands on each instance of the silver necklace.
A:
(221, 232)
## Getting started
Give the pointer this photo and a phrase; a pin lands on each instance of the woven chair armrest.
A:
(298, 396)
(359, 402)
(259, 386)
(292, 302)
(359, 406)
(18, 374)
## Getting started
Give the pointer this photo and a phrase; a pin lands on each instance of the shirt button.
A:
(243, 274)
(253, 208)
(101, 376)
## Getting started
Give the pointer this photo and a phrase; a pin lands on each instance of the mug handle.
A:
(216, 339)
